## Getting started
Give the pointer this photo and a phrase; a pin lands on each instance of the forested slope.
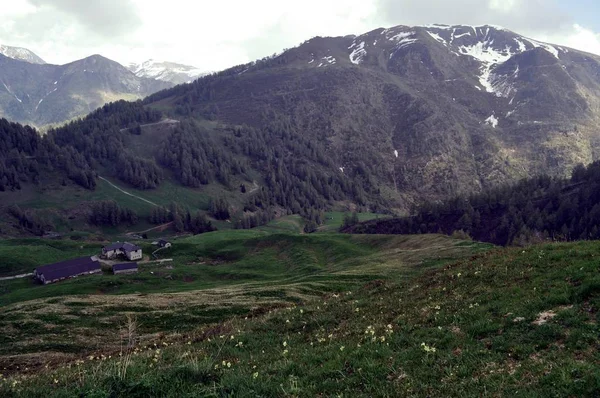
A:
(536, 209)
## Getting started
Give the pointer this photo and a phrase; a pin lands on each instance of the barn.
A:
(67, 269)
(125, 268)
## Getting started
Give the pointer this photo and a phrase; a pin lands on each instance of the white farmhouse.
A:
(130, 251)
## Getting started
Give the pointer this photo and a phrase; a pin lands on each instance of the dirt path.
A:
(8, 278)
(160, 227)
(166, 121)
(255, 188)
(128, 193)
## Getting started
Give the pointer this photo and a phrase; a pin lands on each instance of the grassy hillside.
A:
(23, 255)
(333, 222)
(329, 315)
(212, 278)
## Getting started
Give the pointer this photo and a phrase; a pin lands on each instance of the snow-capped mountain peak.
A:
(21, 54)
(491, 46)
(166, 71)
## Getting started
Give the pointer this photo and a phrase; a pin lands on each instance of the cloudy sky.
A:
(213, 35)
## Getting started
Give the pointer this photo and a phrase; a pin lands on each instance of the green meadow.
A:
(263, 313)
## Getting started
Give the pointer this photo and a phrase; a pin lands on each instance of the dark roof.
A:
(163, 241)
(113, 246)
(124, 266)
(128, 247)
(68, 268)
(125, 246)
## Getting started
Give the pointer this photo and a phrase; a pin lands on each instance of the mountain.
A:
(382, 121)
(166, 71)
(428, 111)
(48, 94)
(21, 54)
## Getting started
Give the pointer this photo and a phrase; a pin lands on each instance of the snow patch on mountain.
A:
(551, 49)
(166, 71)
(400, 36)
(492, 121)
(522, 46)
(329, 60)
(486, 53)
(438, 38)
(42, 100)
(489, 57)
(10, 91)
(21, 54)
(358, 52)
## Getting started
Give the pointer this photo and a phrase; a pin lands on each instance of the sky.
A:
(214, 35)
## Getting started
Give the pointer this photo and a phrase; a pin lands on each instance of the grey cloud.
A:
(107, 18)
(527, 15)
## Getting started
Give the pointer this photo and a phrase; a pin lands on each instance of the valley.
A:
(410, 211)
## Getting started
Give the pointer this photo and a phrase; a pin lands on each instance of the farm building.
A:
(130, 251)
(67, 269)
(164, 243)
(125, 268)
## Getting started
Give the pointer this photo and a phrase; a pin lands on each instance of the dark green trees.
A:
(109, 213)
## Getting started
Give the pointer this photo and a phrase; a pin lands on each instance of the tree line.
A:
(26, 157)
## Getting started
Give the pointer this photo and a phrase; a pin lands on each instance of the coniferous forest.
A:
(532, 210)
(296, 173)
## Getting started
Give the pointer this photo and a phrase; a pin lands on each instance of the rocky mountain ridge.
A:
(52, 94)
(21, 54)
(436, 110)
(166, 71)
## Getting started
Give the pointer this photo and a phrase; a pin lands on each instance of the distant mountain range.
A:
(46, 94)
(166, 71)
(34, 92)
(21, 54)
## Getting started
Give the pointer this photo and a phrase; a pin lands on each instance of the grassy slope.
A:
(56, 201)
(333, 222)
(21, 256)
(213, 277)
(423, 328)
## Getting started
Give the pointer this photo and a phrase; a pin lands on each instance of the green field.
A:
(255, 313)
(67, 205)
(333, 222)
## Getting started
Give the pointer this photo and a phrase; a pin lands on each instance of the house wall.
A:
(136, 255)
(110, 254)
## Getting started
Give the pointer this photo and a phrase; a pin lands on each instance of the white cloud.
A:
(577, 37)
(16, 7)
(213, 35)
(503, 5)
